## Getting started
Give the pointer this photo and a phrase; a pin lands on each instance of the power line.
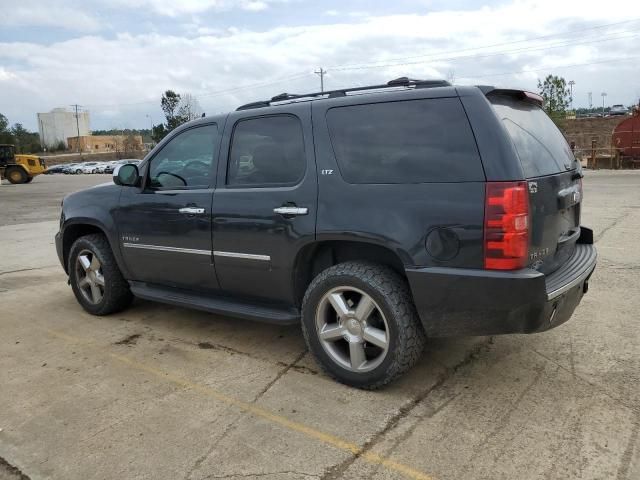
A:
(618, 59)
(569, 32)
(321, 72)
(435, 58)
(214, 93)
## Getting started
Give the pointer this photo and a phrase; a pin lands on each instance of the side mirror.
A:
(126, 175)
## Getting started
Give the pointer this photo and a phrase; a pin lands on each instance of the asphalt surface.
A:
(158, 392)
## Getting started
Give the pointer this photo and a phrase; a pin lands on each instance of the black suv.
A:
(375, 216)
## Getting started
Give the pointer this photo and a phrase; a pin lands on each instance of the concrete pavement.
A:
(161, 392)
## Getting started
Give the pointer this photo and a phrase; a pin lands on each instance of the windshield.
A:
(541, 147)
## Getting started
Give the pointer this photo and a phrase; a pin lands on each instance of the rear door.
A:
(554, 180)
(264, 209)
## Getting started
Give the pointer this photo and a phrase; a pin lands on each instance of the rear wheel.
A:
(16, 175)
(78, 171)
(95, 277)
(360, 324)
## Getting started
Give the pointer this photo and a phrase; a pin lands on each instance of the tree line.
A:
(557, 99)
(24, 140)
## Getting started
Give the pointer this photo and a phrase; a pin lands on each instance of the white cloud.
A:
(174, 8)
(49, 14)
(120, 74)
(255, 6)
(6, 75)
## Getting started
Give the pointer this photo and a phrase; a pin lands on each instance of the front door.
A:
(264, 209)
(165, 226)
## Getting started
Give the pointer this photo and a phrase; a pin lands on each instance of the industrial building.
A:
(59, 124)
(105, 143)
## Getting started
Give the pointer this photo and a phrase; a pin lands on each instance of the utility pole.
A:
(571, 84)
(604, 94)
(322, 73)
(590, 100)
(77, 124)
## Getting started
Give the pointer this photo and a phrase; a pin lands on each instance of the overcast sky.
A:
(117, 57)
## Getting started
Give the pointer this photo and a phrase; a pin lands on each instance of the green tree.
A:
(556, 96)
(4, 123)
(25, 141)
(170, 104)
(159, 132)
(178, 109)
(5, 133)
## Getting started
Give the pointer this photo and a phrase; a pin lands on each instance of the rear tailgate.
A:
(553, 176)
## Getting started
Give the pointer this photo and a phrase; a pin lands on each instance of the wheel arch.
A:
(80, 228)
(317, 256)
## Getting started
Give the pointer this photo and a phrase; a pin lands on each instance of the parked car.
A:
(88, 167)
(54, 169)
(100, 167)
(618, 110)
(113, 164)
(375, 217)
(72, 169)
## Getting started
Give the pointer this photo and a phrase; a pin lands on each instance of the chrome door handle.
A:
(192, 210)
(292, 211)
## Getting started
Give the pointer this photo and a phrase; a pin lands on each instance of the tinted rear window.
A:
(416, 141)
(541, 147)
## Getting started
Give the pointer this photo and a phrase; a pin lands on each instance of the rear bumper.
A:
(457, 302)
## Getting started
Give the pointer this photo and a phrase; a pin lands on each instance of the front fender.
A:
(90, 211)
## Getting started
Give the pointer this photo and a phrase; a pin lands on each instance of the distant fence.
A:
(606, 157)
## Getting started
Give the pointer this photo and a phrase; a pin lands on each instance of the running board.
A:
(219, 305)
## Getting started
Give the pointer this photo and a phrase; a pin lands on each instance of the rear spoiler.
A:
(519, 94)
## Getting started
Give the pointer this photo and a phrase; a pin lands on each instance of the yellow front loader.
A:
(19, 168)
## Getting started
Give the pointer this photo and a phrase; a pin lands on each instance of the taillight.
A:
(506, 225)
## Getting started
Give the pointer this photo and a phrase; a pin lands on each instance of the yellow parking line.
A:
(257, 411)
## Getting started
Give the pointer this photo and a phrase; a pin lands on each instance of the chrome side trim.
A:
(243, 256)
(167, 249)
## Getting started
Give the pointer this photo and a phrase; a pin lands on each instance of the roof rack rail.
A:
(398, 82)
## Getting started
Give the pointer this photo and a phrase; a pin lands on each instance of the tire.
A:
(115, 292)
(393, 313)
(78, 171)
(16, 175)
(28, 180)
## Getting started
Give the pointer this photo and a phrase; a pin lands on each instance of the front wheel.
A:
(360, 323)
(95, 277)
(16, 175)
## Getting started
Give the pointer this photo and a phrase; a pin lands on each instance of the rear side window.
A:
(267, 151)
(541, 147)
(416, 141)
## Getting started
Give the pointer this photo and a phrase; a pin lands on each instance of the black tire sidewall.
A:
(85, 243)
(23, 175)
(364, 379)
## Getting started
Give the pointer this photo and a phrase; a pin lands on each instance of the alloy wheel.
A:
(352, 329)
(89, 276)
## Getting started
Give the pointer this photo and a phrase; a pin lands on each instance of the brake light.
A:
(506, 225)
